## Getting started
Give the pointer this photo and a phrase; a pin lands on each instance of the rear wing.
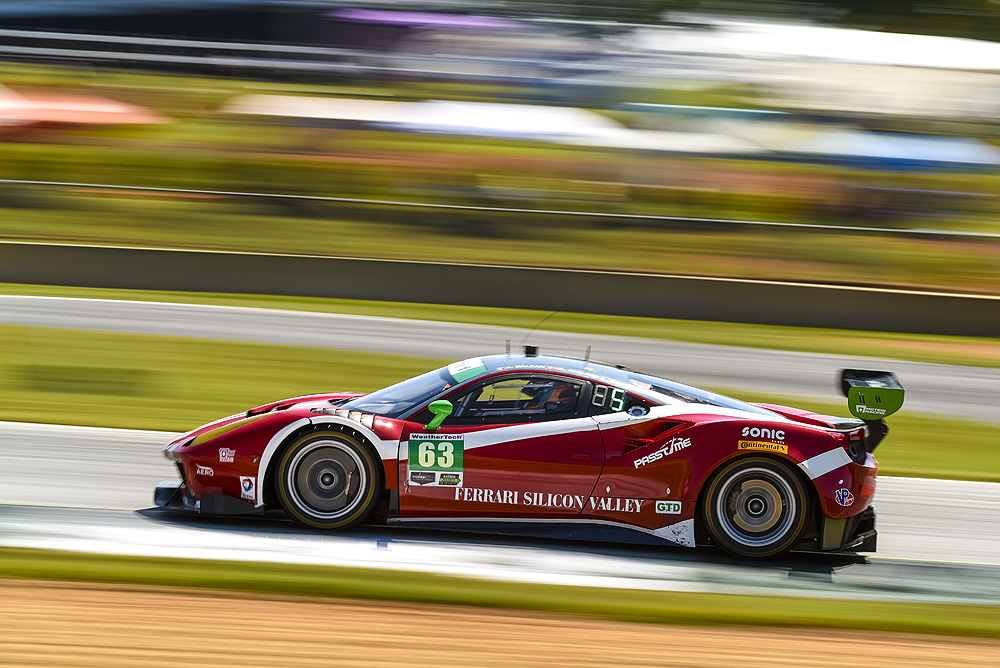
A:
(871, 395)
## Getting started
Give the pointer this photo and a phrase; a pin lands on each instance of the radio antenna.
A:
(539, 324)
(586, 356)
(508, 347)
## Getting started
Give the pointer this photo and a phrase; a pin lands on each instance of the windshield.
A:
(396, 400)
(693, 395)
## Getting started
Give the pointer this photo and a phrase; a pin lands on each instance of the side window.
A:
(606, 399)
(520, 400)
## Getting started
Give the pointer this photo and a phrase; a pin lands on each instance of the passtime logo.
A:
(670, 447)
(763, 432)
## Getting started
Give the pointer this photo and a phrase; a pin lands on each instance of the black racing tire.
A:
(756, 507)
(328, 480)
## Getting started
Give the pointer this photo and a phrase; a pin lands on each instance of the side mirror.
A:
(441, 408)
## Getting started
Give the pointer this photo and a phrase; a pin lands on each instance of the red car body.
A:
(624, 457)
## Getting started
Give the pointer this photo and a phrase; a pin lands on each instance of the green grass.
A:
(913, 347)
(169, 383)
(173, 383)
(650, 607)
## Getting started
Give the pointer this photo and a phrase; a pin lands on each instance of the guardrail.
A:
(614, 293)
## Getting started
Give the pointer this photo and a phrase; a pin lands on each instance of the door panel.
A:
(535, 469)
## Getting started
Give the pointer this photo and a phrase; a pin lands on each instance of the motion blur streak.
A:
(462, 207)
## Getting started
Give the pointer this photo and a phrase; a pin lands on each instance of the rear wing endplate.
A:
(871, 395)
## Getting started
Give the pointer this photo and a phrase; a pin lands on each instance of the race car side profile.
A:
(526, 444)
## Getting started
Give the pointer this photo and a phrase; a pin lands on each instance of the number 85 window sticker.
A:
(436, 460)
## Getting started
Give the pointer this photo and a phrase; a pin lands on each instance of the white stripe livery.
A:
(822, 464)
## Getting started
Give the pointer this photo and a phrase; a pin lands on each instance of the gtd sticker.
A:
(441, 455)
(668, 507)
(844, 497)
(248, 488)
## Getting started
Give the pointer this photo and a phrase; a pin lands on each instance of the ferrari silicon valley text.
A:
(548, 500)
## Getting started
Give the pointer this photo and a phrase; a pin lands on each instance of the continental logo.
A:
(764, 445)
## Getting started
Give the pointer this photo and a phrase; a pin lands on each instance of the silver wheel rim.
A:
(757, 507)
(326, 479)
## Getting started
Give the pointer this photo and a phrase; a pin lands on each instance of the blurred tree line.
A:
(978, 19)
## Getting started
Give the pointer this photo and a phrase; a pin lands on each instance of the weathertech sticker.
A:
(764, 445)
(437, 460)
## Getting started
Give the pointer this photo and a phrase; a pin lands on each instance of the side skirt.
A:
(680, 534)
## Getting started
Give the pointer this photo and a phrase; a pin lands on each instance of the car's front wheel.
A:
(755, 507)
(328, 480)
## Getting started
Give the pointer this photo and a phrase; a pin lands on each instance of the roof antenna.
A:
(508, 347)
(532, 331)
(586, 356)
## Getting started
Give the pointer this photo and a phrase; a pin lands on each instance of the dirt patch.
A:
(70, 625)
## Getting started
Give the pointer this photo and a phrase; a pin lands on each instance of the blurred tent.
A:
(789, 41)
(563, 125)
(800, 138)
(322, 108)
(19, 110)
(516, 121)
(888, 150)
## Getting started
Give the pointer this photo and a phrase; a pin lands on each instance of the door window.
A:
(523, 399)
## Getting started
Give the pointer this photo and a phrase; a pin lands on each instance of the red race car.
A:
(527, 444)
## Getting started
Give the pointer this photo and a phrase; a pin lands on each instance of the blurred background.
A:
(844, 142)
(868, 131)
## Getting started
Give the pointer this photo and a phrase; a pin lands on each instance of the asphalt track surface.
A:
(947, 390)
(89, 489)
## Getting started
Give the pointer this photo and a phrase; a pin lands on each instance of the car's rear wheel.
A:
(328, 480)
(756, 507)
